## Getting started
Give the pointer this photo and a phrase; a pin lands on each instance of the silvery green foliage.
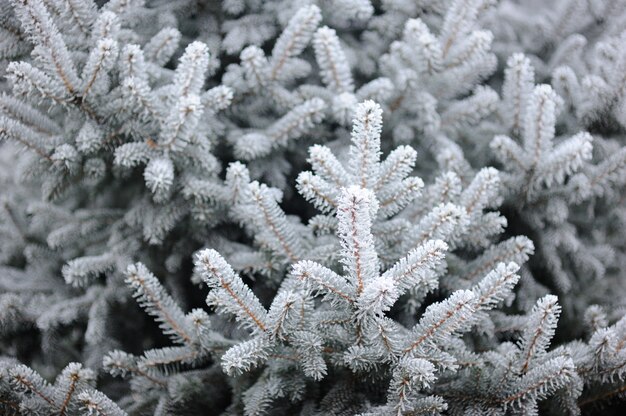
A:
(72, 392)
(397, 207)
(429, 71)
(539, 167)
(556, 180)
(355, 305)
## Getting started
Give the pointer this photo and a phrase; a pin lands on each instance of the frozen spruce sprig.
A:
(407, 216)
(71, 393)
(447, 212)
(336, 75)
(554, 176)
(281, 331)
(429, 70)
(389, 179)
(364, 296)
(266, 78)
(601, 360)
(304, 109)
(108, 96)
(278, 238)
(192, 333)
(358, 302)
(521, 374)
(538, 163)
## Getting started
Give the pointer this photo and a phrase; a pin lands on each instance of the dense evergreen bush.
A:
(385, 207)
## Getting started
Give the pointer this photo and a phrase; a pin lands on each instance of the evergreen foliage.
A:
(312, 207)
